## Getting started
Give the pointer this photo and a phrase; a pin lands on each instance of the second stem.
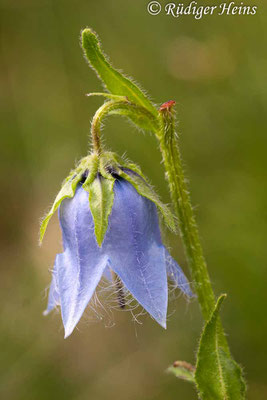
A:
(187, 224)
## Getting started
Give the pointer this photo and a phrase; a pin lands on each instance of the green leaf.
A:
(120, 105)
(101, 198)
(114, 81)
(145, 190)
(182, 370)
(139, 116)
(218, 376)
(67, 190)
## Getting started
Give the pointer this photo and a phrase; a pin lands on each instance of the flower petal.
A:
(81, 265)
(107, 274)
(175, 272)
(53, 297)
(135, 250)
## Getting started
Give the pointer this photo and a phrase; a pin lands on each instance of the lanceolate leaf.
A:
(114, 81)
(218, 376)
(67, 190)
(101, 198)
(139, 116)
(145, 190)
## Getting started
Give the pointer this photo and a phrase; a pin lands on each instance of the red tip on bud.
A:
(167, 106)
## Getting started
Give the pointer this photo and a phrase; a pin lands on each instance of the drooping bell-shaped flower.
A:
(109, 222)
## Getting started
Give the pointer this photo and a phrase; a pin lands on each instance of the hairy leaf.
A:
(120, 105)
(218, 376)
(114, 81)
(139, 116)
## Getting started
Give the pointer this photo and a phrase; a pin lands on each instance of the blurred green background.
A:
(215, 69)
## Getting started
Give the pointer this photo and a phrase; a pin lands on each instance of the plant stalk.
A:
(122, 107)
(186, 219)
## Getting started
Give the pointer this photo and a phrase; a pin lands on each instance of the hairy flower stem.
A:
(123, 107)
(186, 219)
(97, 121)
(96, 126)
(181, 200)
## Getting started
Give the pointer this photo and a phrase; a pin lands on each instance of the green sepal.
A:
(101, 197)
(101, 174)
(114, 81)
(125, 163)
(183, 370)
(93, 167)
(108, 165)
(69, 185)
(110, 161)
(218, 376)
(67, 190)
(145, 190)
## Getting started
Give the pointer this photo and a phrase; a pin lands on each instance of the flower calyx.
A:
(97, 174)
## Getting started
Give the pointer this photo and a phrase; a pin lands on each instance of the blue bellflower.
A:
(132, 248)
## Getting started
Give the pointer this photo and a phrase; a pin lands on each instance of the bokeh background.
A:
(215, 69)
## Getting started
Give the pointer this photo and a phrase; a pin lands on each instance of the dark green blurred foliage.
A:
(215, 69)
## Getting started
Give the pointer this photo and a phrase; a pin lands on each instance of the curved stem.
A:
(96, 125)
(123, 107)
